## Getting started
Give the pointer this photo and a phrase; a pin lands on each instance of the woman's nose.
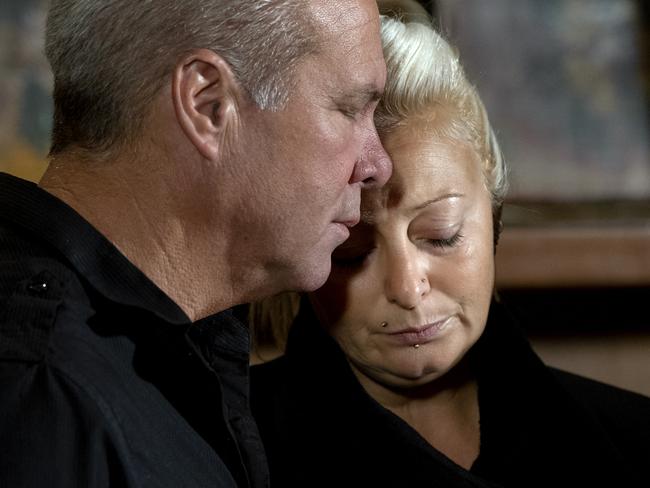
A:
(406, 281)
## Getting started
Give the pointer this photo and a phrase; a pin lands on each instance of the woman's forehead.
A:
(426, 166)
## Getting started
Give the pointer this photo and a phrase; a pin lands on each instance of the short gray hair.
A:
(111, 57)
(425, 75)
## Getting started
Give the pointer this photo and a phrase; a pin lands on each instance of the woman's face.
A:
(410, 289)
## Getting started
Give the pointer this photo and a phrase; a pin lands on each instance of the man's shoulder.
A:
(44, 326)
(25, 259)
(65, 425)
(36, 285)
(46, 422)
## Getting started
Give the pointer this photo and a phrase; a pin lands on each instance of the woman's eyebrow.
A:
(435, 200)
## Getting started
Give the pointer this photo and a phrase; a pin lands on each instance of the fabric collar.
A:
(524, 408)
(325, 373)
(95, 258)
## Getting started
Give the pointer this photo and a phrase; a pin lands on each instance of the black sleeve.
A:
(52, 434)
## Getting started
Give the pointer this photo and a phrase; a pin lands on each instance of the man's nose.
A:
(375, 166)
(406, 281)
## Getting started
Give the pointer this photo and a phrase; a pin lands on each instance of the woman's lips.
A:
(419, 335)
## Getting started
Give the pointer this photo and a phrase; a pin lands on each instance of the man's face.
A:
(301, 168)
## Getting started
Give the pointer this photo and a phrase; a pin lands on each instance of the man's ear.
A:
(205, 94)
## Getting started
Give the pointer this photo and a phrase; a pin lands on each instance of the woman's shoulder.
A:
(606, 400)
(622, 414)
(602, 395)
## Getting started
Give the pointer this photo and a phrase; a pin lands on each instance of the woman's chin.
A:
(413, 375)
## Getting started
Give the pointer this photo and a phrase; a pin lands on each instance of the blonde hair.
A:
(270, 320)
(425, 77)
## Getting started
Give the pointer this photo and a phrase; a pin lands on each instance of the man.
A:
(204, 154)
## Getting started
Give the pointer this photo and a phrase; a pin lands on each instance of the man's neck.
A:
(144, 220)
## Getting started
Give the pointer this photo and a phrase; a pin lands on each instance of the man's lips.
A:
(348, 221)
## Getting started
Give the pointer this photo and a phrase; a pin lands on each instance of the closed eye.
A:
(350, 113)
(452, 241)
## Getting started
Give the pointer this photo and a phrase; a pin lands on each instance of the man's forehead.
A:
(336, 17)
(350, 50)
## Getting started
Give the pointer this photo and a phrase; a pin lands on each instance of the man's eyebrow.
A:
(362, 95)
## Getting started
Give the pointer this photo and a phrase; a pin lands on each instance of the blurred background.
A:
(567, 87)
(25, 88)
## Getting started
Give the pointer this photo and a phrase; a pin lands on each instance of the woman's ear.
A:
(205, 94)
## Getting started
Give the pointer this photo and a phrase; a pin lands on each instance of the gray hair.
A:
(424, 77)
(111, 57)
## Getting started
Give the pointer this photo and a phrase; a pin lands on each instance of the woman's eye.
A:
(452, 241)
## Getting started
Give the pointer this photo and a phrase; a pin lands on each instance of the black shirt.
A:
(103, 380)
(539, 427)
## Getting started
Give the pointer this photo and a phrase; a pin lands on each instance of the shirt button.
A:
(38, 287)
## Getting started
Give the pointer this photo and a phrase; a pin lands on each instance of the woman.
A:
(402, 371)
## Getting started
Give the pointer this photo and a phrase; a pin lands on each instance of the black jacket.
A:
(539, 427)
(103, 380)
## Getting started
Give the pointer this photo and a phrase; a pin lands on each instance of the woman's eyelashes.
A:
(355, 256)
(446, 243)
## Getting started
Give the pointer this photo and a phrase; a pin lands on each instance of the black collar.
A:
(527, 416)
(97, 260)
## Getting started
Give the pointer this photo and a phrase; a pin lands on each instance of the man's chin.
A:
(314, 274)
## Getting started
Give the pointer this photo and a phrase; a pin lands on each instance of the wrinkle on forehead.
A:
(349, 61)
(339, 19)
(448, 163)
(347, 13)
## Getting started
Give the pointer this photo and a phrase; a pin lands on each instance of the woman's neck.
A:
(444, 412)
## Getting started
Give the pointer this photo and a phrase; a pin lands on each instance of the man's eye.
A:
(452, 241)
(350, 113)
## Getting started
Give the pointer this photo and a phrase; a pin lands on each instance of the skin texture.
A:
(423, 254)
(307, 164)
(221, 203)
